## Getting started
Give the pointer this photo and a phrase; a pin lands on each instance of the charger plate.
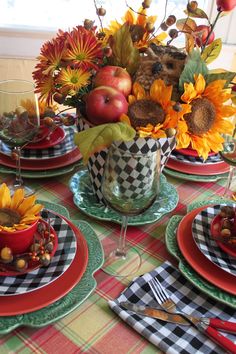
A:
(85, 200)
(184, 266)
(193, 177)
(57, 310)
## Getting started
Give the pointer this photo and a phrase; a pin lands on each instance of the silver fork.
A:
(205, 325)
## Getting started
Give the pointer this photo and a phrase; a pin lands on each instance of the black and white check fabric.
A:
(194, 160)
(169, 337)
(60, 262)
(66, 146)
(97, 161)
(201, 229)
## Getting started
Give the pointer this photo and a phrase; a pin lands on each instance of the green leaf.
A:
(198, 13)
(225, 75)
(123, 50)
(95, 139)
(212, 51)
(194, 65)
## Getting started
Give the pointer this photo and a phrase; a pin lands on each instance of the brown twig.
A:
(210, 32)
(99, 17)
(136, 12)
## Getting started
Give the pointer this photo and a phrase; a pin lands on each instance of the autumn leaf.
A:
(186, 24)
(189, 42)
(124, 52)
(95, 139)
(212, 51)
(228, 76)
(198, 13)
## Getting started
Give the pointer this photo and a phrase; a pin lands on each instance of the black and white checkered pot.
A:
(96, 161)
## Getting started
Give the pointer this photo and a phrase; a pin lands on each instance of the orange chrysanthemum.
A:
(23, 211)
(160, 94)
(202, 129)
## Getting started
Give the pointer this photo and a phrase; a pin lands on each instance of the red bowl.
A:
(18, 241)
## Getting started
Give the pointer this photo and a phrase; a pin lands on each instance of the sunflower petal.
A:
(26, 204)
(17, 198)
(5, 196)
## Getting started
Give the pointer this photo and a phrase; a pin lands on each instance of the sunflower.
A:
(156, 107)
(17, 212)
(140, 25)
(202, 129)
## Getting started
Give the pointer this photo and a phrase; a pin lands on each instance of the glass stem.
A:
(121, 249)
(229, 181)
(18, 180)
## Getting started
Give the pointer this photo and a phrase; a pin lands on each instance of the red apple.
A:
(105, 104)
(114, 76)
(225, 5)
(203, 32)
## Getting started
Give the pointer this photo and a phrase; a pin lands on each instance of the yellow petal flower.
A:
(26, 204)
(5, 196)
(17, 198)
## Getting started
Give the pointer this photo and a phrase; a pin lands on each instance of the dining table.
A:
(91, 326)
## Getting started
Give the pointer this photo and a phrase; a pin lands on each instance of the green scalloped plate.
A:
(194, 178)
(172, 246)
(75, 297)
(86, 201)
(43, 174)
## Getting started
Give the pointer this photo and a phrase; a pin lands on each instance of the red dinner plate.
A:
(226, 247)
(24, 303)
(56, 137)
(43, 164)
(201, 264)
(200, 170)
(191, 152)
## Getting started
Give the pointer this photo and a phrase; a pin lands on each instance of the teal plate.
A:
(75, 297)
(86, 201)
(194, 178)
(45, 173)
(185, 268)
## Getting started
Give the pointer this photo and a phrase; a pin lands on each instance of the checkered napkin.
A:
(60, 262)
(201, 229)
(169, 337)
(60, 149)
(175, 155)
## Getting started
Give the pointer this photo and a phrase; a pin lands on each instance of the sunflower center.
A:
(202, 117)
(142, 112)
(74, 80)
(9, 217)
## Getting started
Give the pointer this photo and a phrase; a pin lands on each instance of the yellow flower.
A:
(159, 98)
(17, 212)
(29, 105)
(138, 28)
(202, 129)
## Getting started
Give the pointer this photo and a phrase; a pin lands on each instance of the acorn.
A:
(164, 26)
(170, 20)
(225, 233)
(88, 24)
(227, 212)
(150, 27)
(45, 259)
(6, 255)
(68, 120)
(146, 4)
(192, 6)
(21, 264)
(21, 111)
(173, 33)
(49, 246)
(170, 132)
(101, 11)
(48, 121)
(35, 247)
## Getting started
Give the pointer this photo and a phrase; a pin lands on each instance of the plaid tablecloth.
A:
(93, 327)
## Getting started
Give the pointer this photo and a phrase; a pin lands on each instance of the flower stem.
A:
(212, 28)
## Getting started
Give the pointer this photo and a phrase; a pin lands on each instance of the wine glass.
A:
(130, 185)
(19, 123)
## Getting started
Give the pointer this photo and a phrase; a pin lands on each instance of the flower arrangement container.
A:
(97, 161)
(20, 240)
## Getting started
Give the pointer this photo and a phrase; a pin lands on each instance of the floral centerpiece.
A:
(128, 79)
